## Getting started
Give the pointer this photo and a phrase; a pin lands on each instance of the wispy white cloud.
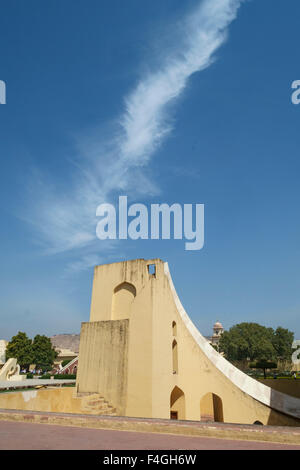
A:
(65, 219)
(83, 263)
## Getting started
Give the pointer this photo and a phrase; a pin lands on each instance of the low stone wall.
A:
(51, 400)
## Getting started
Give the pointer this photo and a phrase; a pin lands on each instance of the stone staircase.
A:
(95, 404)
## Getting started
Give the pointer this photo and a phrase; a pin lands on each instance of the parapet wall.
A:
(59, 400)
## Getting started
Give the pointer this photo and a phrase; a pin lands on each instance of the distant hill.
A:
(66, 342)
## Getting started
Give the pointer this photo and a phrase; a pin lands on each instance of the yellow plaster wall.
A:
(197, 375)
(58, 400)
(150, 379)
(107, 279)
(103, 360)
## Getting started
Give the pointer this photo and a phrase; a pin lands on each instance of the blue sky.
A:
(81, 80)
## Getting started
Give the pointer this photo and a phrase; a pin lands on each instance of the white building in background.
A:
(218, 330)
(3, 344)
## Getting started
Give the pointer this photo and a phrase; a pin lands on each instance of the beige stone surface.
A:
(55, 400)
(11, 371)
(104, 360)
(161, 380)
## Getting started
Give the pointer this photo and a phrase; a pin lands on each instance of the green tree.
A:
(282, 341)
(248, 341)
(43, 351)
(20, 347)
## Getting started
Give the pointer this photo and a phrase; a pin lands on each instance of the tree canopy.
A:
(255, 342)
(43, 351)
(20, 347)
(282, 341)
(39, 351)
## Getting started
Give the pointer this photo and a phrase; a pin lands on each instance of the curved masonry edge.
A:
(260, 392)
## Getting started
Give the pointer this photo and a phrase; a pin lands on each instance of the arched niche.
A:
(177, 404)
(123, 296)
(211, 408)
(175, 357)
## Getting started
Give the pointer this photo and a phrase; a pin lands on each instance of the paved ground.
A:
(27, 436)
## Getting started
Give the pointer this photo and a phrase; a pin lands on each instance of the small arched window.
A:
(174, 328)
(175, 357)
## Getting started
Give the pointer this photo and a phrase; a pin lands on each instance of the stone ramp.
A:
(240, 432)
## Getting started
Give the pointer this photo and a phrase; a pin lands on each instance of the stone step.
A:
(103, 407)
(100, 412)
(84, 394)
(96, 404)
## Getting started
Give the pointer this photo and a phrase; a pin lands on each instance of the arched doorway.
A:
(123, 297)
(211, 408)
(177, 404)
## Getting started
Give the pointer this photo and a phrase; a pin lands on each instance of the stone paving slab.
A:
(283, 435)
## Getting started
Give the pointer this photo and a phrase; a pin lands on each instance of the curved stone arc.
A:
(276, 400)
(10, 370)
